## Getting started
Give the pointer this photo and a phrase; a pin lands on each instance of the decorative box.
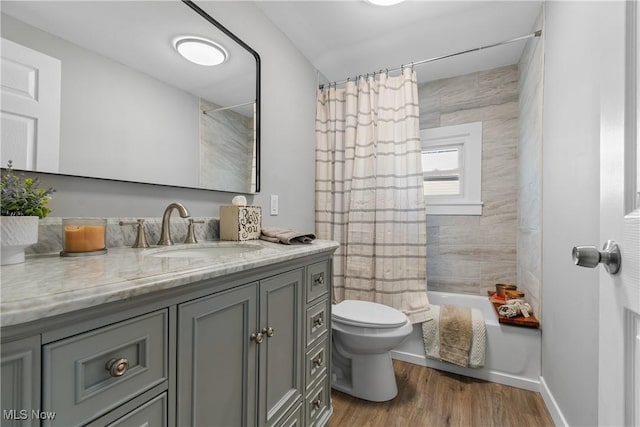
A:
(240, 222)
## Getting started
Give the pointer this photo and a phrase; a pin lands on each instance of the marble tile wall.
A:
(226, 149)
(529, 253)
(470, 254)
(50, 232)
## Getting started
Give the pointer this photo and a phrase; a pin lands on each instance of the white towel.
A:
(431, 336)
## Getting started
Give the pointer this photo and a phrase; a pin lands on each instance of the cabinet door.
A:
(281, 354)
(217, 359)
(21, 383)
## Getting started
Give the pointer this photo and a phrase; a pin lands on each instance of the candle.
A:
(84, 235)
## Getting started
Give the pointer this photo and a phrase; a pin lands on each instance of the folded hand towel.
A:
(431, 336)
(285, 236)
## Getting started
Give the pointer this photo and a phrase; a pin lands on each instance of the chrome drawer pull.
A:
(268, 331)
(318, 321)
(319, 279)
(317, 403)
(318, 361)
(258, 338)
(117, 367)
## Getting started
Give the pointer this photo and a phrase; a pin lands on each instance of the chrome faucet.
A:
(165, 235)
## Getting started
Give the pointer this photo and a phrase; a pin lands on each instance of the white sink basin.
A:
(205, 251)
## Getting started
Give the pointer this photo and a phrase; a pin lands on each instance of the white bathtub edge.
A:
(552, 405)
(492, 376)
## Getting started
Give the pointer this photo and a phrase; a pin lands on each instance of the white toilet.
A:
(363, 335)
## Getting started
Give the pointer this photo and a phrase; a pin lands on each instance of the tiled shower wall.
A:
(529, 271)
(470, 254)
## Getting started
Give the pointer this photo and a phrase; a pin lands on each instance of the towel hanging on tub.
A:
(450, 348)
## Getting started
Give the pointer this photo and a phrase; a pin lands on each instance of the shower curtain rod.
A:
(437, 58)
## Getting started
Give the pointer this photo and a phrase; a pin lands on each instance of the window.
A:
(452, 165)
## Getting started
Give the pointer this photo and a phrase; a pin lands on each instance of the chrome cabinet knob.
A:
(258, 338)
(268, 331)
(318, 321)
(590, 256)
(317, 362)
(117, 367)
(317, 403)
(319, 279)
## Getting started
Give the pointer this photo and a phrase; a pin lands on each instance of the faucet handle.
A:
(191, 235)
(141, 238)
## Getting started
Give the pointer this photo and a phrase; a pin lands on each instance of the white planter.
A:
(16, 234)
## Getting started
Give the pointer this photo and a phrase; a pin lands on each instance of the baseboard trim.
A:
(552, 405)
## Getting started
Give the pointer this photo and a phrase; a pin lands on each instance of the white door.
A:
(30, 108)
(619, 317)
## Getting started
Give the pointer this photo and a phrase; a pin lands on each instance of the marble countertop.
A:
(49, 285)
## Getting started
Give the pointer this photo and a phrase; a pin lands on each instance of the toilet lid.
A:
(365, 313)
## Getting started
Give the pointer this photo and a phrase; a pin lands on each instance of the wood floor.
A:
(427, 397)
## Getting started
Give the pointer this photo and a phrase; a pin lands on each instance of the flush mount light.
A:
(200, 51)
(385, 2)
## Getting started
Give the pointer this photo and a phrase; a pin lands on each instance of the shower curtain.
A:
(369, 191)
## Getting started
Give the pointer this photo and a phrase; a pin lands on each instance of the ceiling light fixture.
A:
(385, 2)
(200, 51)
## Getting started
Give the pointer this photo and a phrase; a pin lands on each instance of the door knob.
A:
(590, 256)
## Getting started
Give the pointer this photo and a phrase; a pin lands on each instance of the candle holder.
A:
(84, 236)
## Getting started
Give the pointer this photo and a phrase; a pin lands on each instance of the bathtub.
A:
(513, 352)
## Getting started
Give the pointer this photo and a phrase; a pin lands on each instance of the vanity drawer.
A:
(316, 362)
(317, 320)
(86, 375)
(296, 419)
(318, 280)
(153, 413)
(317, 403)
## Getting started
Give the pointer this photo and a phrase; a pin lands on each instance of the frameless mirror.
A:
(98, 89)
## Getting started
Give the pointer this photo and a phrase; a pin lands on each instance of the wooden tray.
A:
(527, 322)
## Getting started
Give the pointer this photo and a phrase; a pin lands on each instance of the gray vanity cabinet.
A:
(217, 363)
(241, 348)
(20, 375)
(248, 348)
(281, 352)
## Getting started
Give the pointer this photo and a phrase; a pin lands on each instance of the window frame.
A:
(468, 136)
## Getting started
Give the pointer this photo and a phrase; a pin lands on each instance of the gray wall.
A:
(570, 207)
(288, 114)
(529, 254)
(470, 254)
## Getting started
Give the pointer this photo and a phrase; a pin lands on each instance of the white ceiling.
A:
(346, 38)
(340, 38)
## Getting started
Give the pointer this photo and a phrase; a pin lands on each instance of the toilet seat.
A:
(367, 314)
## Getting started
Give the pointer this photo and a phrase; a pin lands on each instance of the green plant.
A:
(22, 196)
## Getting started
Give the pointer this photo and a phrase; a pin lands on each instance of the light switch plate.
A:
(274, 204)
